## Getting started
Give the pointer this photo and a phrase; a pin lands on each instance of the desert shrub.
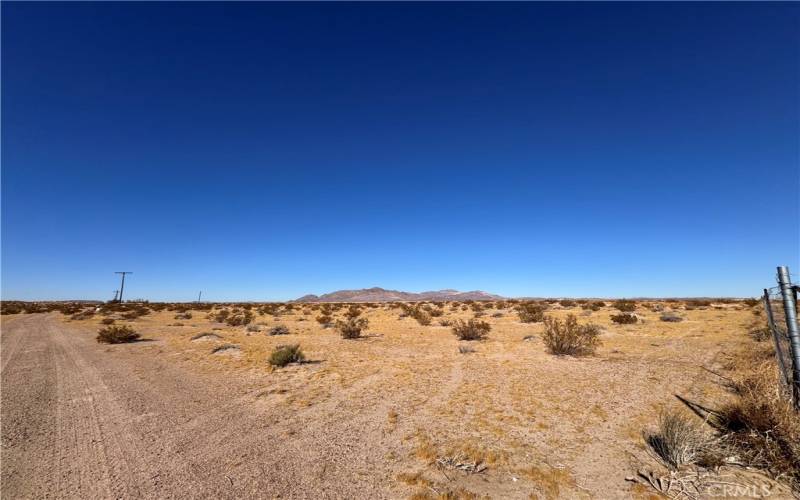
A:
(760, 426)
(760, 333)
(570, 338)
(278, 330)
(418, 312)
(591, 306)
(221, 316)
(671, 317)
(436, 312)
(677, 441)
(625, 305)
(253, 328)
(751, 302)
(325, 320)
(240, 318)
(567, 303)
(285, 354)
(445, 322)
(352, 312)
(422, 317)
(69, 309)
(107, 321)
(497, 315)
(82, 315)
(697, 304)
(351, 328)
(624, 318)
(471, 330)
(117, 335)
(271, 309)
(183, 315)
(531, 312)
(11, 308)
(465, 349)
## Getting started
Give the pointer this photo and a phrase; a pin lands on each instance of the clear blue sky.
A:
(264, 151)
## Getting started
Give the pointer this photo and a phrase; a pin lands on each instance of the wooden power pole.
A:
(122, 286)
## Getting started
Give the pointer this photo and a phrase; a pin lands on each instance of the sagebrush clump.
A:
(325, 320)
(569, 338)
(278, 330)
(117, 335)
(285, 354)
(671, 317)
(471, 330)
(624, 318)
(531, 312)
(625, 305)
(352, 327)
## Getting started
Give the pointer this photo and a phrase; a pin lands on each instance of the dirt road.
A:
(83, 420)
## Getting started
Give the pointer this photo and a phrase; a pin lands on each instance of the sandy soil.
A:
(364, 419)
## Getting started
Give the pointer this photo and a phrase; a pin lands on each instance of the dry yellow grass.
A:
(544, 425)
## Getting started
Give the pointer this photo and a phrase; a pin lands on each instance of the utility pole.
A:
(116, 294)
(122, 286)
(199, 295)
(790, 311)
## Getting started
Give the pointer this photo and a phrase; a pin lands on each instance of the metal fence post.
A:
(785, 377)
(791, 327)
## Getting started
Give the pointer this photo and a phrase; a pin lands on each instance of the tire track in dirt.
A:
(84, 420)
(63, 438)
(11, 340)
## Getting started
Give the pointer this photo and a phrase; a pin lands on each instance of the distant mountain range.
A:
(381, 295)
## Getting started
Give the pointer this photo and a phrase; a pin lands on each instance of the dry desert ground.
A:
(399, 413)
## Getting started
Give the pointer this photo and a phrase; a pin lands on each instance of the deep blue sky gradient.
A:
(264, 151)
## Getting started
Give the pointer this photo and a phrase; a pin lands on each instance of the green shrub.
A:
(570, 338)
(351, 328)
(285, 354)
(117, 335)
(471, 330)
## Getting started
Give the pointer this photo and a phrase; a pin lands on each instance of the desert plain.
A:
(194, 409)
